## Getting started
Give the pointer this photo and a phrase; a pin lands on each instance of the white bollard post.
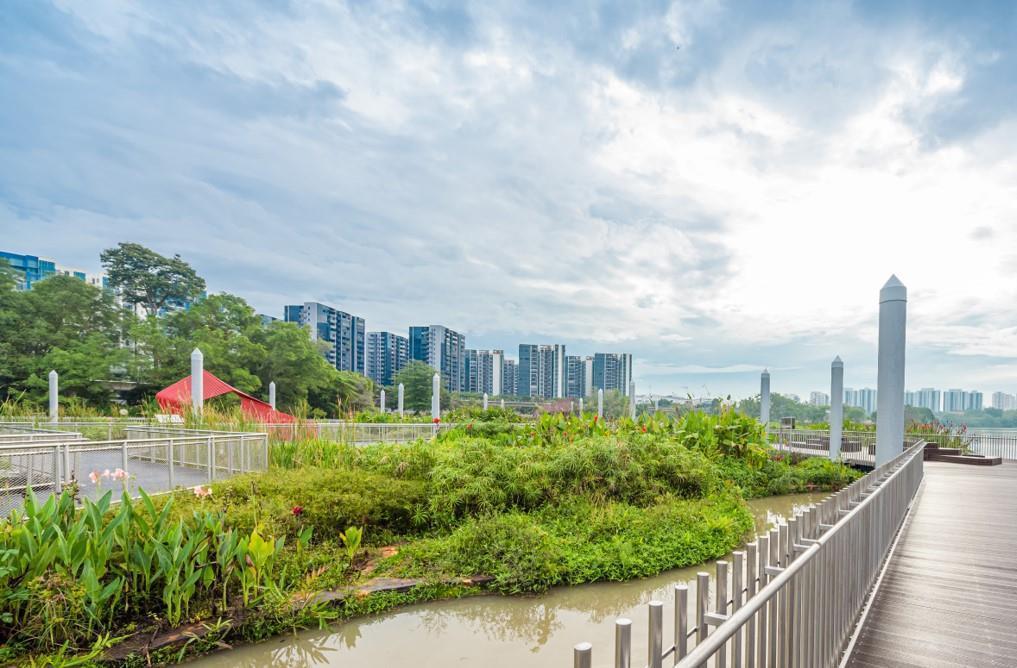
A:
(436, 397)
(485, 401)
(632, 399)
(836, 407)
(893, 307)
(600, 403)
(381, 400)
(503, 404)
(197, 381)
(764, 399)
(271, 394)
(580, 405)
(400, 397)
(54, 396)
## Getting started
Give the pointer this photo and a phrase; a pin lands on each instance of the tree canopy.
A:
(416, 378)
(142, 276)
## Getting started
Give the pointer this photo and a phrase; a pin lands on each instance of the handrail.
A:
(724, 632)
(818, 567)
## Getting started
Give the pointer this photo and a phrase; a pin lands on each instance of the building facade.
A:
(929, 397)
(344, 333)
(612, 371)
(387, 354)
(954, 401)
(867, 400)
(542, 370)
(575, 377)
(1004, 401)
(484, 371)
(819, 399)
(444, 350)
(510, 378)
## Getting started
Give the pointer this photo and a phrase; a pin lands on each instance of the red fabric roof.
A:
(177, 397)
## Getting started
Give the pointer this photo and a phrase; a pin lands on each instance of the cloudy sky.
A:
(713, 186)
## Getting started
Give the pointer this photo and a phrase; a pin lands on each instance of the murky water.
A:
(493, 631)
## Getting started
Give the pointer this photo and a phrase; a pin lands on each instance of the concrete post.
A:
(764, 398)
(503, 404)
(197, 381)
(436, 396)
(632, 400)
(580, 405)
(485, 401)
(271, 394)
(54, 396)
(836, 407)
(381, 400)
(600, 403)
(893, 307)
(572, 407)
(400, 399)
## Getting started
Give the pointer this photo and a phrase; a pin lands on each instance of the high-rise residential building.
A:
(910, 398)
(929, 397)
(484, 371)
(576, 381)
(588, 376)
(612, 371)
(819, 398)
(444, 350)
(30, 269)
(867, 400)
(1004, 401)
(953, 401)
(973, 400)
(387, 354)
(509, 378)
(344, 333)
(542, 370)
(850, 397)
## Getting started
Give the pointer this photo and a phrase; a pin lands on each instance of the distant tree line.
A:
(96, 341)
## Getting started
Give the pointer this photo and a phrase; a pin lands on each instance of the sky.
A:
(715, 187)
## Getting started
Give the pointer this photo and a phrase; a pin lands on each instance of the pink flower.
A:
(105, 474)
(119, 474)
(94, 477)
(201, 491)
(297, 511)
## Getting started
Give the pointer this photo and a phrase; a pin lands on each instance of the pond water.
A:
(494, 631)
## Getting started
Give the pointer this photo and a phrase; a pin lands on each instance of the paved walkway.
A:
(949, 595)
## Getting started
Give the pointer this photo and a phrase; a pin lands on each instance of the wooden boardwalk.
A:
(949, 594)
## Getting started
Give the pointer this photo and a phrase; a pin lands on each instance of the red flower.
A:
(469, 427)
(297, 511)
(436, 420)
(644, 428)
(595, 419)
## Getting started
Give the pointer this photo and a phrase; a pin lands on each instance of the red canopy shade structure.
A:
(176, 397)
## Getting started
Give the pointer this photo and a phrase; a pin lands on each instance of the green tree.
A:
(297, 366)
(416, 379)
(782, 406)
(142, 276)
(64, 324)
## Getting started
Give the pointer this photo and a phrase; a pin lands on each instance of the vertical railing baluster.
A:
(750, 579)
(737, 569)
(702, 596)
(655, 634)
(763, 630)
(681, 621)
(720, 607)
(623, 643)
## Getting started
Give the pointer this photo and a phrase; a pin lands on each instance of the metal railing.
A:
(991, 442)
(357, 433)
(151, 458)
(793, 595)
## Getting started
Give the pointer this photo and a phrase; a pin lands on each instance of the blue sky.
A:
(525, 173)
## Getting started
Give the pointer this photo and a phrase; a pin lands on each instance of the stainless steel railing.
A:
(153, 459)
(792, 596)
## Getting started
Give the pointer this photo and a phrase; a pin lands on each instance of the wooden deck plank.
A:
(949, 595)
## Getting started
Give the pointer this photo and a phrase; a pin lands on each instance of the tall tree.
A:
(142, 276)
(416, 379)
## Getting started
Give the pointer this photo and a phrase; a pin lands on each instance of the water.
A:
(493, 631)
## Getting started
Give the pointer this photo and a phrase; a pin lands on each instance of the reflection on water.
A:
(494, 631)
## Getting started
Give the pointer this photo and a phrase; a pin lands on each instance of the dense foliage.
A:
(558, 501)
(79, 330)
